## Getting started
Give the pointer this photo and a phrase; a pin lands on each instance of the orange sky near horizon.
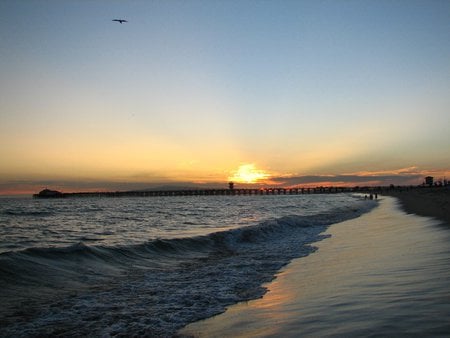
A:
(199, 93)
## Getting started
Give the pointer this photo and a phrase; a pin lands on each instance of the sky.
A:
(287, 93)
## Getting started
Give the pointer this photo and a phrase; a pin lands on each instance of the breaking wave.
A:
(153, 288)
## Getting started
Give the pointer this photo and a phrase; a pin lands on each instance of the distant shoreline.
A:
(429, 201)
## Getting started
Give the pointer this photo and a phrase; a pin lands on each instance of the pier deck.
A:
(196, 192)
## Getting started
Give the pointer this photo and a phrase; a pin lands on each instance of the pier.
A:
(46, 193)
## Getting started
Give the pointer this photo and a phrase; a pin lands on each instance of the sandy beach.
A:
(383, 274)
(432, 202)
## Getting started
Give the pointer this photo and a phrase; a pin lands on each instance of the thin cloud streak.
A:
(349, 180)
(402, 176)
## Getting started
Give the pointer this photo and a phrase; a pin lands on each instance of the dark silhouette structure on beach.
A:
(47, 193)
(429, 181)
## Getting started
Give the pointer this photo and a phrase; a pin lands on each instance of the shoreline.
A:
(367, 278)
(429, 202)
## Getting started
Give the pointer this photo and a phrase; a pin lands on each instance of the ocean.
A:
(148, 266)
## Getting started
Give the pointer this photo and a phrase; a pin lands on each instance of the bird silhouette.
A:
(120, 20)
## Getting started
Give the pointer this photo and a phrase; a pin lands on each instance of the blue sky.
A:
(189, 91)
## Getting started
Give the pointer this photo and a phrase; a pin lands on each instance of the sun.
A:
(247, 173)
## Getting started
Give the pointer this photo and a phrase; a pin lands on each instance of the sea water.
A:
(149, 266)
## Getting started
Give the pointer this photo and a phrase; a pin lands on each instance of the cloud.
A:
(392, 172)
(366, 179)
(402, 176)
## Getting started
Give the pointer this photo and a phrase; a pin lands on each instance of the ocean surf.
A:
(150, 266)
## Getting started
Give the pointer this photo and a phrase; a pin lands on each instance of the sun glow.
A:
(247, 173)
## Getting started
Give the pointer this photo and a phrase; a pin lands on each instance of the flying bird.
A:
(120, 20)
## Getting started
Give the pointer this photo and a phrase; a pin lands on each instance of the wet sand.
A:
(385, 273)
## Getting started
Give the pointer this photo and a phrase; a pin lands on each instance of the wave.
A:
(27, 213)
(185, 278)
(226, 241)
